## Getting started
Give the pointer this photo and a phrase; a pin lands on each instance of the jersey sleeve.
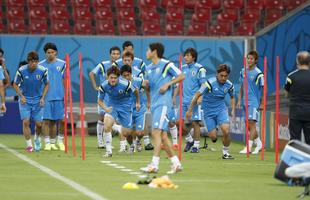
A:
(97, 69)
(63, 70)
(202, 75)
(1, 73)
(18, 77)
(205, 87)
(45, 78)
(172, 70)
(142, 67)
(130, 87)
(288, 83)
(260, 80)
(101, 92)
(231, 91)
(241, 77)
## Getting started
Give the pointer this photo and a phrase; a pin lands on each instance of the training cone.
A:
(130, 186)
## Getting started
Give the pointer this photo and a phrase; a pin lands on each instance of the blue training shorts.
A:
(54, 110)
(253, 113)
(138, 118)
(216, 119)
(159, 118)
(31, 111)
(122, 115)
(196, 115)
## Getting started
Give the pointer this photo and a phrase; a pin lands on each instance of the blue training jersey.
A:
(56, 72)
(195, 75)
(137, 83)
(1, 73)
(101, 70)
(119, 95)
(138, 66)
(158, 75)
(255, 79)
(214, 93)
(31, 82)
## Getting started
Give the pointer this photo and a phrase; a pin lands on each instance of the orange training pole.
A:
(277, 111)
(180, 110)
(246, 94)
(66, 104)
(82, 107)
(264, 109)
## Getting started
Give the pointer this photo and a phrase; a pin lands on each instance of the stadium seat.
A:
(60, 27)
(125, 14)
(36, 3)
(176, 4)
(233, 4)
(201, 15)
(81, 3)
(147, 4)
(124, 3)
(214, 4)
(59, 13)
(245, 29)
(228, 14)
(174, 29)
(2, 28)
(255, 4)
(197, 29)
(102, 3)
(103, 13)
(17, 26)
(292, 4)
(37, 13)
(190, 4)
(221, 29)
(272, 15)
(150, 28)
(105, 27)
(15, 3)
(82, 13)
(83, 27)
(127, 27)
(148, 14)
(16, 13)
(174, 15)
(38, 26)
(251, 15)
(57, 3)
(274, 4)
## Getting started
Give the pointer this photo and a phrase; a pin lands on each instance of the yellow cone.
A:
(130, 186)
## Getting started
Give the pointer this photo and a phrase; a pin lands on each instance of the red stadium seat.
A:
(17, 26)
(127, 27)
(125, 14)
(197, 29)
(245, 29)
(174, 15)
(274, 4)
(147, 4)
(150, 28)
(214, 4)
(16, 13)
(105, 27)
(37, 13)
(233, 4)
(82, 13)
(176, 4)
(38, 26)
(102, 3)
(59, 13)
(149, 15)
(201, 15)
(255, 4)
(251, 15)
(2, 28)
(81, 3)
(83, 27)
(174, 29)
(57, 3)
(229, 14)
(292, 4)
(272, 15)
(221, 29)
(60, 27)
(190, 4)
(103, 13)
(16, 3)
(36, 3)
(124, 4)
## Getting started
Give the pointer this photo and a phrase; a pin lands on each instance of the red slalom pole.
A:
(71, 113)
(180, 110)
(246, 93)
(277, 111)
(66, 104)
(82, 107)
(264, 109)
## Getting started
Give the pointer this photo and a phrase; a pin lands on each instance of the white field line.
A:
(55, 175)
(252, 164)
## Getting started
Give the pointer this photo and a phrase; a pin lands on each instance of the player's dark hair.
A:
(193, 53)
(128, 54)
(303, 58)
(127, 44)
(22, 63)
(32, 56)
(113, 70)
(115, 48)
(48, 46)
(254, 54)
(223, 68)
(1, 51)
(159, 47)
(126, 68)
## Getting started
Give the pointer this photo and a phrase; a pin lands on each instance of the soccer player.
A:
(101, 70)
(160, 75)
(195, 75)
(31, 84)
(214, 91)
(53, 112)
(6, 80)
(2, 93)
(118, 105)
(255, 79)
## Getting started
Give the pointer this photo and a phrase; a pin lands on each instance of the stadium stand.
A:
(134, 17)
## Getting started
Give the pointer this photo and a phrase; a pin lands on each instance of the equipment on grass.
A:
(130, 186)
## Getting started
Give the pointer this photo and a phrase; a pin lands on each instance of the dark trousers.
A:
(295, 127)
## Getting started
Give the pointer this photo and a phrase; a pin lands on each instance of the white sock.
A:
(175, 160)
(108, 137)
(37, 137)
(155, 161)
(146, 140)
(174, 134)
(122, 144)
(117, 128)
(29, 143)
(250, 144)
(100, 126)
(258, 142)
(47, 140)
(196, 143)
(189, 138)
(60, 138)
(225, 150)
(53, 141)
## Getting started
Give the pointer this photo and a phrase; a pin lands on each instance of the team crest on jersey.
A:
(38, 77)
(157, 70)
(193, 73)
(225, 90)
(58, 68)
(149, 71)
(121, 91)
